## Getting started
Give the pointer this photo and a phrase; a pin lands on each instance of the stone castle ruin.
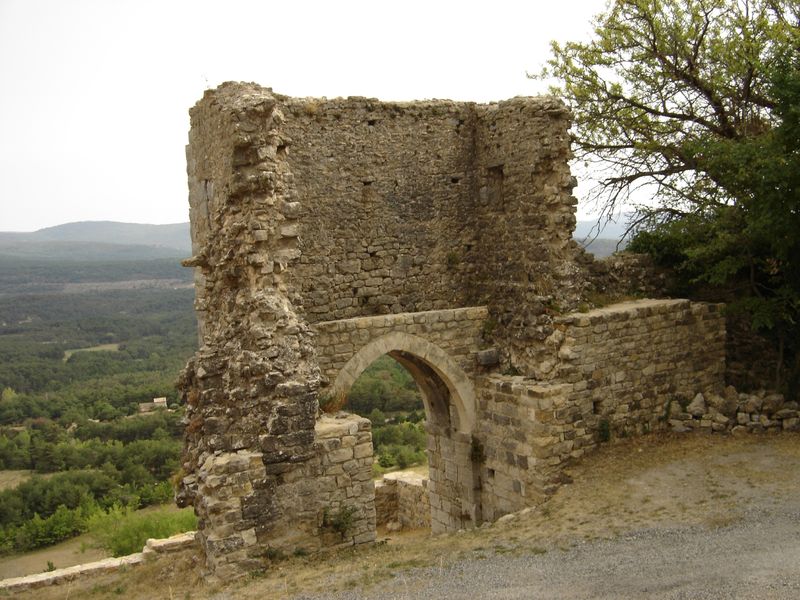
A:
(327, 233)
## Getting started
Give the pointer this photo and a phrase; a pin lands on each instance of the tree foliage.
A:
(386, 393)
(384, 385)
(698, 99)
(662, 79)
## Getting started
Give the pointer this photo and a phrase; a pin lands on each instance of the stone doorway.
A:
(448, 399)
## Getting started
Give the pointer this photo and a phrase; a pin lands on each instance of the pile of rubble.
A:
(734, 412)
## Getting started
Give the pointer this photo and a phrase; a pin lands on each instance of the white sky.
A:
(94, 95)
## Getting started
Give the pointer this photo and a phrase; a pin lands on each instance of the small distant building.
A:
(157, 403)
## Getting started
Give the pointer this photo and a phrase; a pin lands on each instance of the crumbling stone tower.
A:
(326, 233)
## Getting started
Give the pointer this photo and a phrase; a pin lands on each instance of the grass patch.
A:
(122, 531)
(99, 348)
(11, 479)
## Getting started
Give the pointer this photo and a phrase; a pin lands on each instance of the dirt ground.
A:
(651, 483)
(62, 555)
(11, 479)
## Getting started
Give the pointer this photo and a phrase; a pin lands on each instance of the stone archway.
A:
(449, 399)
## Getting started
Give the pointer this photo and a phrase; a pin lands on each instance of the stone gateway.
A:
(327, 233)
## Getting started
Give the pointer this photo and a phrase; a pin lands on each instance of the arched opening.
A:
(387, 394)
(449, 405)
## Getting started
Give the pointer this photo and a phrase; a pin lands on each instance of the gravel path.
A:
(755, 558)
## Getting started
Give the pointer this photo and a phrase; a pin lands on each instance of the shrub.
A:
(340, 521)
(123, 531)
(332, 403)
(603, 431)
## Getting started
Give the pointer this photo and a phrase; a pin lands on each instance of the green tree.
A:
(661, 76)
(377, 417)
(698, 99)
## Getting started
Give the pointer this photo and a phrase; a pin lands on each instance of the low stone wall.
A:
(625, 362)
(153, 547)
(402, 501)
(615, 371)
(345, 489)
(413, 504)
(327, 500)
(385, 501)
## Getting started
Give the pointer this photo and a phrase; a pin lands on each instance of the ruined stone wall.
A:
(254, 376)
(365, 207)
(410, 207)
(321, 229)
(252, 457)
(617, 370)
(386, 189)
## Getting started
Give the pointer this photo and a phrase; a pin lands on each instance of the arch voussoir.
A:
(451, 374)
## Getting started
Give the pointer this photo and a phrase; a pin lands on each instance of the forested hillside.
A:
(174, 237)
(89, 330)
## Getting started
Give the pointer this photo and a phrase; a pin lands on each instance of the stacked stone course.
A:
(734, 412)
(344, 481)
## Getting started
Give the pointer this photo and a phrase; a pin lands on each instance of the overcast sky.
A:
(94, 95)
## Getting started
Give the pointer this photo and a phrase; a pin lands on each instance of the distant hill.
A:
(610, 230)
(106, 241)
(85, 251)
(174, 235)
(601, 247)
(607, 240)
(93, 255)
(99, 240)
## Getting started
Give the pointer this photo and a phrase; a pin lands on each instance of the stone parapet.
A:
(345, 490)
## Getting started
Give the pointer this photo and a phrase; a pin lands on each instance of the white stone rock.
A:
(697, 407)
